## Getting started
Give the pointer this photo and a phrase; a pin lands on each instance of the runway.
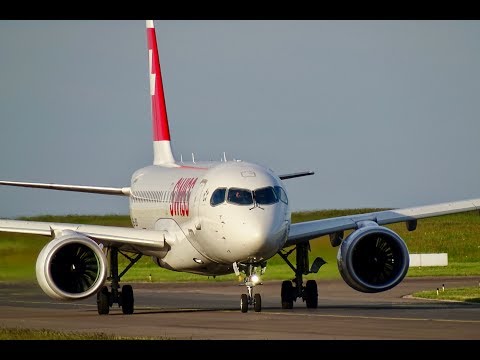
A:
(212, 311)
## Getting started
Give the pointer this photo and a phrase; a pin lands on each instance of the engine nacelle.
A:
(373, 259)
(71, 267)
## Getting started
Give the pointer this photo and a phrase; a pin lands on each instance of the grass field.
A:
(470, 294)
(46, 334)
(457, 235)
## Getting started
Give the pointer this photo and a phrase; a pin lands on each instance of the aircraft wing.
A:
(304, 231)
(125, 191)
(124, 238)
(295, 175)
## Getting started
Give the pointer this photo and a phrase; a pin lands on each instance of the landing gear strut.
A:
(124, 298)
(294, 289)
(251, 280)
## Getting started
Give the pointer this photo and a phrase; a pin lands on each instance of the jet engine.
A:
(71, 267)
(373, 258)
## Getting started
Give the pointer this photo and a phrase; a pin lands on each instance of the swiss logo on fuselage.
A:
(179, 201)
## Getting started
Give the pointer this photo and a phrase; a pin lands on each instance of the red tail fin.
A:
(161, 133)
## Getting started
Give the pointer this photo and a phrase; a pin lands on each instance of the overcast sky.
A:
(387, 113)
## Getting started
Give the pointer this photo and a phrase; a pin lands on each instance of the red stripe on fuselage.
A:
(159, 109)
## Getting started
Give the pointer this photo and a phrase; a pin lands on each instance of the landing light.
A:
(198, 261)
(255, 279)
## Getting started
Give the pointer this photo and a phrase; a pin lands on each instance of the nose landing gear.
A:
(250, 281)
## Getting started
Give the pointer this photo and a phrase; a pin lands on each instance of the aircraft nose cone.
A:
(264, 239)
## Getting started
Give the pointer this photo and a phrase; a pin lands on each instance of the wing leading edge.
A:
(302, 232)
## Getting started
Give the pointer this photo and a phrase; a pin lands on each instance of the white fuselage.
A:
(206, 235)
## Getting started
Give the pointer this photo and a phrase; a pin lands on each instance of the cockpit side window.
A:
(218, 196)
(265, 196)
(240, 196)
(281, 194)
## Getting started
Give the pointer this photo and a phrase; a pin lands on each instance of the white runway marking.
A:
(372, 317)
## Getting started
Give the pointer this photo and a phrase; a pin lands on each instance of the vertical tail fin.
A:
(162, 151)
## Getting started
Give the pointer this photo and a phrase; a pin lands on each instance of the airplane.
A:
(213, 218)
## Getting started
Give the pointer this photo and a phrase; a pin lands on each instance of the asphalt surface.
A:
(194, 311)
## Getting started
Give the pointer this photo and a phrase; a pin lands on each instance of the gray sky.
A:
(387, 113)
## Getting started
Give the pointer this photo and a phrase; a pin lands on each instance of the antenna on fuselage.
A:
(193, 158)
(181, 158)
(224, 157)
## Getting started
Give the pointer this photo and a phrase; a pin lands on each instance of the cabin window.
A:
(218, 196)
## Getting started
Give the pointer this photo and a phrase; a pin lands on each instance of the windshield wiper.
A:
(255, 204)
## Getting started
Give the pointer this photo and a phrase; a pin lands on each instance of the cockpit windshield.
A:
(265, 196)
(281, 195)
(237, 196)
(240, 196)
(218, 196)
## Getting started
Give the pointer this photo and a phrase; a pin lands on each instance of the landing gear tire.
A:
(287, 295)
(311, 294)
(127, 299)
(257, 305)
(103, 301)
(244, 303)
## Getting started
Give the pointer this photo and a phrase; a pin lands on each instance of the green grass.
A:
(470, 294)
(456, 234)
(45, 334)
(453, 269)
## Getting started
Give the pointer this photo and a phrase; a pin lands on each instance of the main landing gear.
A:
(250, 281)
(124, 298)
(294, 289)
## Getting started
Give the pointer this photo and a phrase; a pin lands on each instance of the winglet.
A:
(162, 151)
